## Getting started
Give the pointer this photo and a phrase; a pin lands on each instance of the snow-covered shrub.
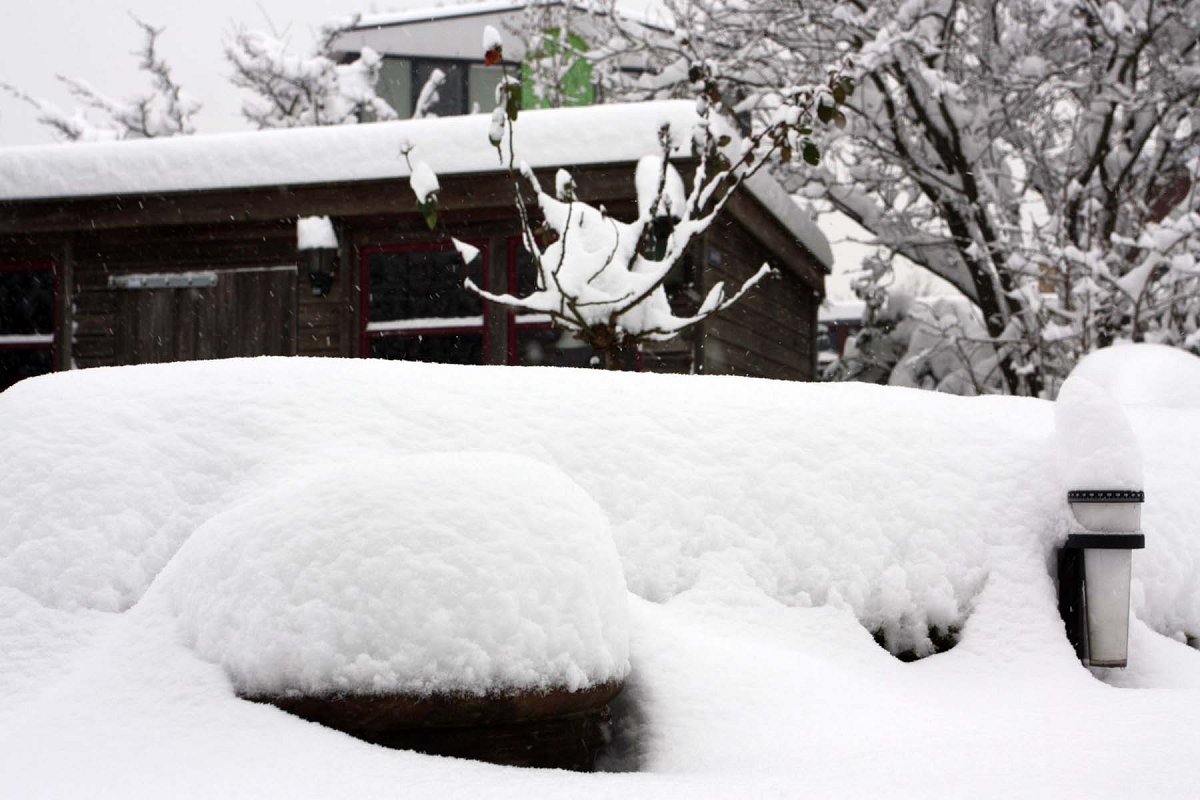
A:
(602, 279)
(164, 110)
(901, 507)
(935, 343)
(556, 71)
(1012, 148)
(294, 91)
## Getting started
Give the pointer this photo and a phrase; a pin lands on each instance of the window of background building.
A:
(481, 88)
(452, 94)
(395, 85)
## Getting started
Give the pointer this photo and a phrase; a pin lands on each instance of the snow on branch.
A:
(290, 90)
(603, 279)
(165, 110)
(1016, 150)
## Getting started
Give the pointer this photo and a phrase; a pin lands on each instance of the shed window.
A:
(26, 322)
(420, 284)
(416, 306)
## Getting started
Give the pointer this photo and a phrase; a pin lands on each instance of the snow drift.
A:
(894, 503)
(764, 529)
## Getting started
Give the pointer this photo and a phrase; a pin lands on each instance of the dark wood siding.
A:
(251, 311)
(240, 233)
(769, 333)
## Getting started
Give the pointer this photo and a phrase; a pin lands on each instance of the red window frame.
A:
(364, 306)
(38, 266)
(515, 244)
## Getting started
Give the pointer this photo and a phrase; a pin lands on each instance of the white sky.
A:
(94, 39)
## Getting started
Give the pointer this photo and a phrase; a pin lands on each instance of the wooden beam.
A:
(486, 193)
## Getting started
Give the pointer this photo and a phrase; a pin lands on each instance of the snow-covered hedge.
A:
(900, 505)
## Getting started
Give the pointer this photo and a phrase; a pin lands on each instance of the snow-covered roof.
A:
(593, 135)
(410, 15)
(644, 16)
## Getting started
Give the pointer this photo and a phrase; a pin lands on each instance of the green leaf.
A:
(429, 211)
(824, 113)
(811, 154)
(723, 141)
(848, 86)
(513, 101)
(839, 94)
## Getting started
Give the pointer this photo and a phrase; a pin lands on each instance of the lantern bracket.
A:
(1105, 541)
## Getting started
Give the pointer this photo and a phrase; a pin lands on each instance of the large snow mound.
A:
(446, 573)
(763, 524)
(1145, 374)
(897, 504)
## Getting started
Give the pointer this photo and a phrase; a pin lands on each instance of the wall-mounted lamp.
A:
(1094, 570)
(318, 248)
(1097, 448)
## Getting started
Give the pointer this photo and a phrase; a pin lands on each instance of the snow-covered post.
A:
(1101, 467)
(318, 247)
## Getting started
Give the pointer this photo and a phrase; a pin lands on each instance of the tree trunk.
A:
(614, 357)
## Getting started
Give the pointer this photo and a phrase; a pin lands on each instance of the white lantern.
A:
(1096, 447)
(1097, 590)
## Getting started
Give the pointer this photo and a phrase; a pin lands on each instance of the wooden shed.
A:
(186, 248)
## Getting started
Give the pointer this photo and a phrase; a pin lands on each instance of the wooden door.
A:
(248, 312)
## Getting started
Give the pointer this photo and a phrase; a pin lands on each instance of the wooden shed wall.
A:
(248, 238)
(772, 331)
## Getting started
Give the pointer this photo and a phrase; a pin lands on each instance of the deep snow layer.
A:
(891, 502)
(762, 527)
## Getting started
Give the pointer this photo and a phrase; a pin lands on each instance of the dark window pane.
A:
(464, 348)
(16, 365)
(452, 97)
(27, 301)
(527, 274)
(420, 285)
